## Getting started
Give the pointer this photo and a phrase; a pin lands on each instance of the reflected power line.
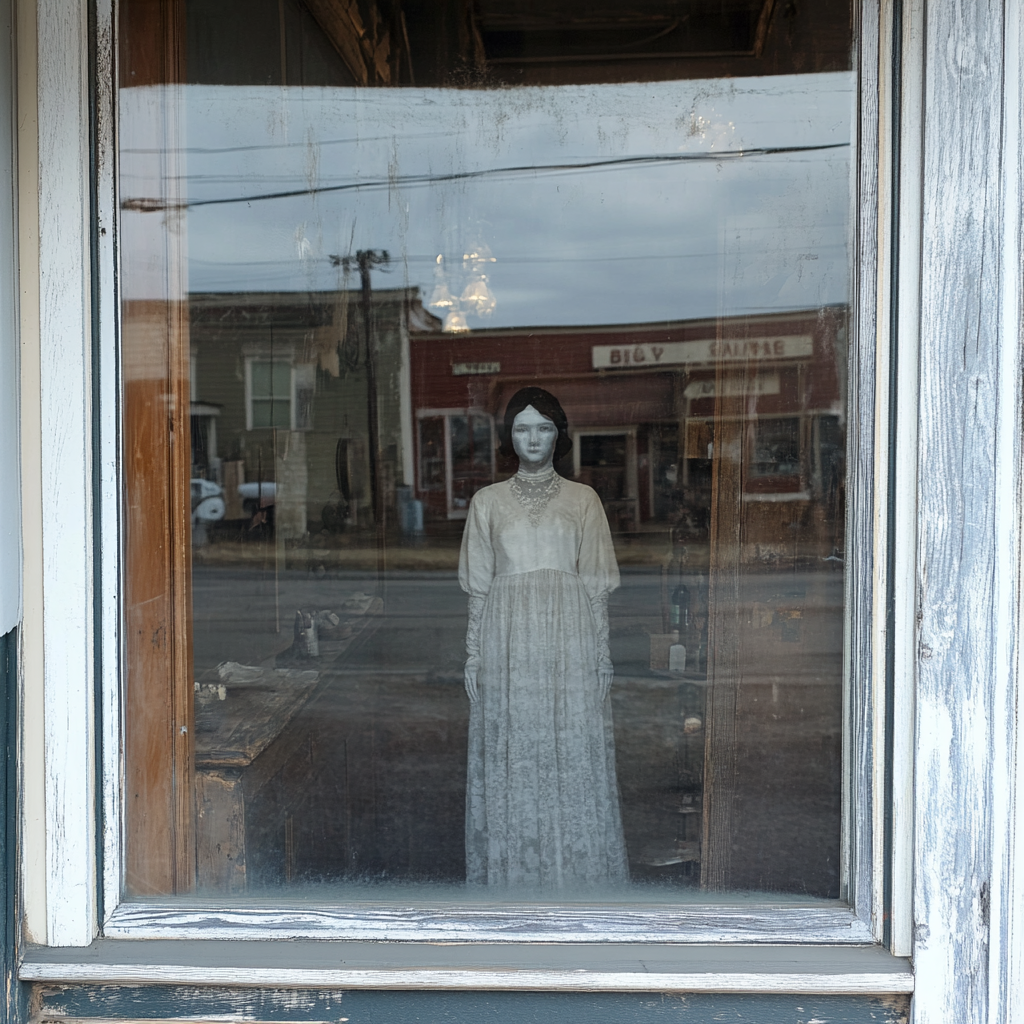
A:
(154, 205)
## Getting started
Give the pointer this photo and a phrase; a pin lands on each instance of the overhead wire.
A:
(153, 205)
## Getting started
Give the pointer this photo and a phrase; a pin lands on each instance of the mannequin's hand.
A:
(605, 675)
(472, 668)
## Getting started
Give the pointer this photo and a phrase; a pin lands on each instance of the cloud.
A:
(611, 243)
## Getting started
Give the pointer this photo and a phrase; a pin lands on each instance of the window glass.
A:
(505, 555)
(271, 393)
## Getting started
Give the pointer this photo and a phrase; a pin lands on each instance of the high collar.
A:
(536, 478)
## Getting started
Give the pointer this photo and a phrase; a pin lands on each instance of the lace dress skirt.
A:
(542, 803)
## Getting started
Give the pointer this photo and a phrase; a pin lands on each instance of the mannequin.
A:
(537, 561)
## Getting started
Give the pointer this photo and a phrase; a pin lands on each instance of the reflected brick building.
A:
(642, 402)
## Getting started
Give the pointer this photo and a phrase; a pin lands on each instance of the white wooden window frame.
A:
(939, 891)
(77, 887)
(261, 352)
(73, 895)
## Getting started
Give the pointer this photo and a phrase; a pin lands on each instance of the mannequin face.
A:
(533, 439)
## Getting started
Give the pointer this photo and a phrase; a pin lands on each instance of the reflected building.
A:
(279, 403)
(642, 402)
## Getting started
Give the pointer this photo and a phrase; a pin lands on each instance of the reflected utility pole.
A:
(364, 261)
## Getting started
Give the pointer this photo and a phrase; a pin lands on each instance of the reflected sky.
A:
(600, 204)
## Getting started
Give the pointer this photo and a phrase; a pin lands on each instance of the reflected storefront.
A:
(650, 465)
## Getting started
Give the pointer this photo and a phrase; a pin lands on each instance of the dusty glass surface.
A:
(351, 233)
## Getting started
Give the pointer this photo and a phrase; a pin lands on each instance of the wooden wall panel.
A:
(151, 35)
(159, 805)
(159, 789)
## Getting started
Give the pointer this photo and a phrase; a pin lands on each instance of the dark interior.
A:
(490, 43)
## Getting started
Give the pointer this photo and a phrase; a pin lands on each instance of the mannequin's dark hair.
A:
(547, 405)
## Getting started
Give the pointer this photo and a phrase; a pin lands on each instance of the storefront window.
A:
(375, 649)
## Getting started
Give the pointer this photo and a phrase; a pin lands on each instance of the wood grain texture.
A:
(1006, 971)
(641, 979)
(959, 570)
(231, 733)
(364, 47)
(860, 696)
(67, 509)
(220, 826)
(450, 921)
(904, 472)
(159, 808)
(960, 567)
(234, 729)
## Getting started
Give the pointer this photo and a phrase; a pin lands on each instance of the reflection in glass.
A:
(270, 388)
(350, 250)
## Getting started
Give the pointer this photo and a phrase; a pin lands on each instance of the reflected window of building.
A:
(270, 393)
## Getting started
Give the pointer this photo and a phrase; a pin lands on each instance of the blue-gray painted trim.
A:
(562, 957)
(368, 1007)
(13, 1003)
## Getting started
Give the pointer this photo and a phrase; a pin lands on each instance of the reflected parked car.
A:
(207, 501)
(257, 495)
(207, 507)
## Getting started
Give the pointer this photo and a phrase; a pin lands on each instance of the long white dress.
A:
(542, 802)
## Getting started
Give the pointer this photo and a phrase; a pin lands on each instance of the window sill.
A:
(739, 921)
(568, 967)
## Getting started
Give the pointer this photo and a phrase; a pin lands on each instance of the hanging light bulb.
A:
(455, 322)
(478, 297)
(440, 297)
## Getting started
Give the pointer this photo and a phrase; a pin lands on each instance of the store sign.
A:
(761, 384)
(711, 350)
(468, 369)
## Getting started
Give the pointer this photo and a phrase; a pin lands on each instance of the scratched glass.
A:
(352, 231)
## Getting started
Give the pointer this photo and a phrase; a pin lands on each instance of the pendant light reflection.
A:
(455, 323)
(440, 297)
(476, 298)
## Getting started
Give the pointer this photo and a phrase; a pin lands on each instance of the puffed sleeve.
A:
(476, 558)
(598, 569)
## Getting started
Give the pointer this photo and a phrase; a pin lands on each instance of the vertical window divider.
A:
(110, 565)
(66, 372)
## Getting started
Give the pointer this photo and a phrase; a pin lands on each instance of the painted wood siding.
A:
(140, 1004)
(967, 596)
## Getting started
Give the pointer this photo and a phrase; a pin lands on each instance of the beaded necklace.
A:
(534, 491)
